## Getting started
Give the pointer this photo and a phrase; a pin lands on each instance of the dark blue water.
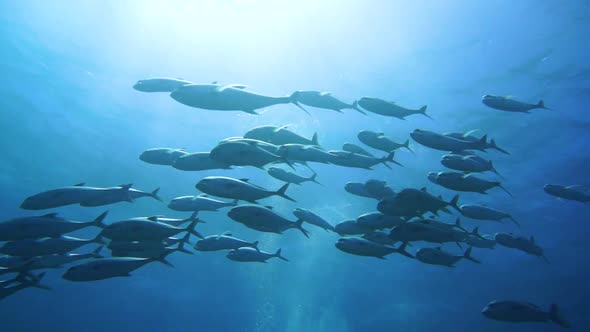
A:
(68, 114)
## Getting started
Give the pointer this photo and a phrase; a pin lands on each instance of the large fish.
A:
(312, 218)
(510, 105)
(247, 254)
(379, 141)
(323, 100)
(49, 225)
(363, 247)
(518, 312)
(264, 219)
(279, 135)
(240, 189)
(226, 98)
(224, 241)
(573, 193)
(447, 143)
(198, 161)
(437, 256)
(162, 156)
(464, 182)
(389, 108)
(198, 203)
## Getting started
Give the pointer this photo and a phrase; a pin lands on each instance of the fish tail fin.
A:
(294, 102)
(475, 233)
(255, 245)
(557, 317)
(402, 250)
(96, 252)
(493, 169)
(314, 139)
(162, 258)
(514, 221)
(499, 185)
(422, 111)
(278, 255)
(541, 104)
(282, 192)
(313, 178)
(494, 146)
(181, 243)
(191, 228)
(483, 142)
(35, 281)
(98, 222)
(299, 225)
(407, 146)
(467, 256)
(98, 239)
(154, 194)
(389, 158)
(454, 203)
(355, 106)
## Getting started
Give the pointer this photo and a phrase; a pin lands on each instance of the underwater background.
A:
(68, 114)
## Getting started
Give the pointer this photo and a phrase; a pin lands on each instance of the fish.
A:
(411, 202)
(350, 147)
(162, 156)
(227, 98)
(482, 212)
(518, 312)
(146, 229)
(290, 177)
(468, 136)
(56, 261)
(573, 193)
(107, 268)
(521, 243)
(224, 241)
(160, 84)
(24, 284)
(484, 242)
(378, 220)
(312, 218)
(247, 254)
(238, 153)
(468, 163)
(60, 197)
(363, 247)
(447, 143)
(48, 225)
(122, 193)
(198, 161)
(464, 182)
(510, 105)
(43, 247)
(418, 231)
(240, 189)
(324, 100)
(350, 159)
(389, 108)
(279, 135)
(437, 256)
(198, 203)
(264, 219)
(146, 249)
(351, 227)
(379, 141)
(307, 153)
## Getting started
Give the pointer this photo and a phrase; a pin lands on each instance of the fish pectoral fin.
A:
(251, 112)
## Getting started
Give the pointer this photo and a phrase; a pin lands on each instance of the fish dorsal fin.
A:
(392, 102)
(244, 180)
(235, 86)
(203, 195)
(81, 184)
(473, 131)
(268, 207)
(227, 233)
(277, 129)
(325, 94)
(126, 186)
(50, 215)
(424, 189)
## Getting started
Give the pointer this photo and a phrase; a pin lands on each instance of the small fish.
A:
(247, 254)
(510, 105)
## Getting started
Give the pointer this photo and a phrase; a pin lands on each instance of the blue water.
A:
(68, 114)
